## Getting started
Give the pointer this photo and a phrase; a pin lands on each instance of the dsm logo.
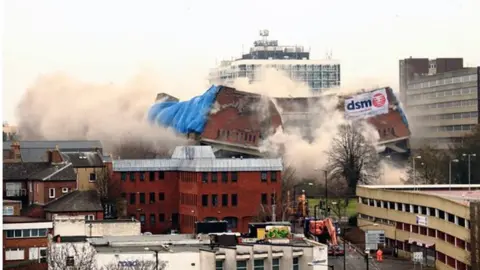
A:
(377, 101)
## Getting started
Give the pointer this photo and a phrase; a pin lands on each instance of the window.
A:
(234, 199)
(441, 214)
(36, 253)
(415, 209)
(132, 176)
(224, 199)
(152, 197)
(218, 265)
(161, 196)
(123, 176)
(93, 177)
(142, 219)
(151, 176)
(204, 200)
(89, 217)
(51, 193)
(407, 208)
(142, 198)
(214, 199)
(152, 220)
(295, 264)
(263, 176)
(264, 198)
(161, 175)
(241, 265)
(161, 217)
(275, 264)
(205, 177)
(273, 176)
(15, 254)
(133, 198)
(124, 195)
(142, 176)
(214, 177)
(461, 222)
(8, 210)
(65, 190)
(234, 176)
(258, 264)
(224, 177)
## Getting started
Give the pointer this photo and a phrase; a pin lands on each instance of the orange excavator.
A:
(323, 231)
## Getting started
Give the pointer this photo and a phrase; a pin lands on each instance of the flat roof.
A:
(457, 192)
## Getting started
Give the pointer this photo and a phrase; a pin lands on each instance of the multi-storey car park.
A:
(438, 220)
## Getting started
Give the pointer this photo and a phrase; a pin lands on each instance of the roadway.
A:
(356, 261)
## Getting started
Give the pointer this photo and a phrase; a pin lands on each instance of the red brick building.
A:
(25, 239)
(194, 185)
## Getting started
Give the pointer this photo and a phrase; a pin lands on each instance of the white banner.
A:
(367, 104)
(422, 221)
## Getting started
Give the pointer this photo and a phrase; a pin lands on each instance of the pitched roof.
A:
(35, 151)
(21, 219)
(84, 159)
(63, 172)
(39, 171)
(22, 171)
(76, 201)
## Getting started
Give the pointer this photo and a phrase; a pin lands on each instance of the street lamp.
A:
(414, 170)
(156, 256)
(326, 189)
(469, 161)
(450, 173)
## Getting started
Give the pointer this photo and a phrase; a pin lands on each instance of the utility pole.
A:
(274, 206)
(326, 193)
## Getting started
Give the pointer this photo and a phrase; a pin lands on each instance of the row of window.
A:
(449, 104)
(447, 116)
(237, 136)
(452, 128)
(439, 82)
(152, 176)
(258, 264)
(214, 200)
(152, 219)
(417, 209)
(447, 93)
(34, 253)
(431, 256)
(413, 228)
(213, 177)
(27, 233)
(142, 197)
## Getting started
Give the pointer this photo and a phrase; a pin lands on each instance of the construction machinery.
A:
(323, 231)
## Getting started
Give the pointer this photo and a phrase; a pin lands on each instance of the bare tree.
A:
(352, 157)
(284, 203)
(431, 166)
(60, 255)
(136, 265)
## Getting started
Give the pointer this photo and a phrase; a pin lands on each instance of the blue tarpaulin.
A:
(185, 116)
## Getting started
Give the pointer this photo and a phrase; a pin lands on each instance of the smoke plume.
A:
(308, 154)
(60, 107)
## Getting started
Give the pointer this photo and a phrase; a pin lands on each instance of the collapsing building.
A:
(234, 122)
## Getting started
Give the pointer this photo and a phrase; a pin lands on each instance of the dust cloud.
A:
(308, 154)
(60, 107)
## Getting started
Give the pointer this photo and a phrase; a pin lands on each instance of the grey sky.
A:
(109, 41)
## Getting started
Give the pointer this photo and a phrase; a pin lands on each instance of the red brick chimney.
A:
(14, 155)
(55, 156)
